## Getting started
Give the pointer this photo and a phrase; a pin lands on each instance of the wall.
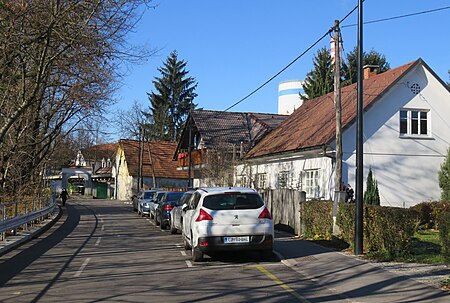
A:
(406, 168)
(284, 205)
(296, 164)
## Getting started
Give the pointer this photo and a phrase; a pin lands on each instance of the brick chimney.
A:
(370, 71)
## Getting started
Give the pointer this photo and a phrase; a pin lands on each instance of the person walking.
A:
(64, 196)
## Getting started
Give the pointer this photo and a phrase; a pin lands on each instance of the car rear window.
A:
(173, 196)
(233, 201)
(148, 195)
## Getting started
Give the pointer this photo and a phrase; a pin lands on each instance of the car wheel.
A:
(173, 230)
(156, 221)
(197, 254)
(185, 242)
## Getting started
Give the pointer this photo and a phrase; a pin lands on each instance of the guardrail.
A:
(13, 215)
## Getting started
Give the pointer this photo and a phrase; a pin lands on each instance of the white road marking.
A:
(183, 253)
(82, 267)
(101, 220)
(98, 241)
(103, 227)
(179, 245)
(189, 263)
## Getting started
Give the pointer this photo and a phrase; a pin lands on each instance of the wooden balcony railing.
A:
(198, 158)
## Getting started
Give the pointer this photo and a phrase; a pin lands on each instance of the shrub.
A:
(386, 230)
(317, 218)
(428, 213)
(444, 235)
(444, 178)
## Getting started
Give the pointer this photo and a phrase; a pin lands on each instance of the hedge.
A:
(444, 235)
(317, 218)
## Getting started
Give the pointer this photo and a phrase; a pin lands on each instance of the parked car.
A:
(227, 219)
(143, 202)
(176, 214)
(162, 216)
(155, 201)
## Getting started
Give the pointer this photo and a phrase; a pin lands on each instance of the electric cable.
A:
(292, 62)
(400, 16)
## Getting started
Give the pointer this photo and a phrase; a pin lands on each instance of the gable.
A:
(313, 124)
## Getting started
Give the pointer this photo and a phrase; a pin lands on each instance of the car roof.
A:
(216, 190)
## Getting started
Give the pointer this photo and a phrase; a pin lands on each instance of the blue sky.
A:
(233, 46)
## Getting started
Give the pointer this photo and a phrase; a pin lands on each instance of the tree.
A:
(319, 81)
(350, 67)
(58, 70)
(444, 178)
(371, 195)
(173, 99)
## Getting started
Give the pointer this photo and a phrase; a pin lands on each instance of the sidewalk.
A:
(354, 279)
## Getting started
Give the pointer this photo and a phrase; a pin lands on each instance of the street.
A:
(101, 251)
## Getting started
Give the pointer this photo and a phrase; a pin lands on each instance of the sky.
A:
(232, 47)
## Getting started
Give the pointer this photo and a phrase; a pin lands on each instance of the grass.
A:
(425, 248)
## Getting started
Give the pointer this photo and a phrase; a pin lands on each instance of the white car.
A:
(227, 219)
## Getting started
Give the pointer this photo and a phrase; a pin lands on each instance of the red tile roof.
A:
(157, 159)
(98, 152)
(314, 123)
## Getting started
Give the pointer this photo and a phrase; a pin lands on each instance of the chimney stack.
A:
(370, 70)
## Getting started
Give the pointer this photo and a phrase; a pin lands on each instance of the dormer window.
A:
(413, 122)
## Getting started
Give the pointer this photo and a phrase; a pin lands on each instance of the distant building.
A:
(289, 96)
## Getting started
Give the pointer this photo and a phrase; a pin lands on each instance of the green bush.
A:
(444, 178)
(386, 230)
(428, 212)
(317, 218)
(346, 221)
(444, 235)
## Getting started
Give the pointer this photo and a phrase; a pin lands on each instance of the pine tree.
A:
(371, 195)
(350, 67)
(319, 81)
(172, 100)
(444, 178)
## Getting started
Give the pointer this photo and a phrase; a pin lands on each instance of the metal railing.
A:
(22, 214)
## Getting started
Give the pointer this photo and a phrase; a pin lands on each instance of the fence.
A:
(284, 205)
(21, 214)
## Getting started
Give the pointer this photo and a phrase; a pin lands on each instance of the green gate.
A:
(102, 191)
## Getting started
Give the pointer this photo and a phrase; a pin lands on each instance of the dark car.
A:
(168, 202)
(157, 197)
(176, 214)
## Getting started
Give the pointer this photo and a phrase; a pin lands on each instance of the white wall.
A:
(296, 167)
(406, 168)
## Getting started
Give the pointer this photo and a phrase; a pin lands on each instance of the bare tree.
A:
(58, 68)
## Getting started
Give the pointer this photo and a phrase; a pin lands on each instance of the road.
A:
(101, 251)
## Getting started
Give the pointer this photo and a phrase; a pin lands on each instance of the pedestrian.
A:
(350, 193)
(64, 196)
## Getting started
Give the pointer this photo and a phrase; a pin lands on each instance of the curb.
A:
(31, 235)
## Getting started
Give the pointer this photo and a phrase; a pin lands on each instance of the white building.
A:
(406, 137)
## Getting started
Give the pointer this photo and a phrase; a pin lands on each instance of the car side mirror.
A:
(185, 207)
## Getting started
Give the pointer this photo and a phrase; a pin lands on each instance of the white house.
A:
(406, 137)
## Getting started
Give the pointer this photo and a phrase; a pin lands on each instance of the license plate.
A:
(228, 240)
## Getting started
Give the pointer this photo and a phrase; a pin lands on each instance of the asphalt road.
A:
(101, 251)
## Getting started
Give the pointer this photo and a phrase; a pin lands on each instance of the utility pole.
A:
(190, 151)
(359, 139)
(338, 194)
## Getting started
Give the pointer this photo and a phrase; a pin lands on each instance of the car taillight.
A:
(265, 214)
(168, 207)
(203, 216)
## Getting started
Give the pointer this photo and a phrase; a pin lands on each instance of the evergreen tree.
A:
(371, 195)
(350, 67)
(444, 178)
(172, 99)
(320, 80)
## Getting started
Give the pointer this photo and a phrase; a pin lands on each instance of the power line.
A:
(292, 62)
(401, 16)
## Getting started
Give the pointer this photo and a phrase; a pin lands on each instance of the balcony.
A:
(198, 159)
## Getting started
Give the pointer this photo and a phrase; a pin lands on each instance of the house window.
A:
(312, 187)
(260, 181)
(413, 122)
(283, 179)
